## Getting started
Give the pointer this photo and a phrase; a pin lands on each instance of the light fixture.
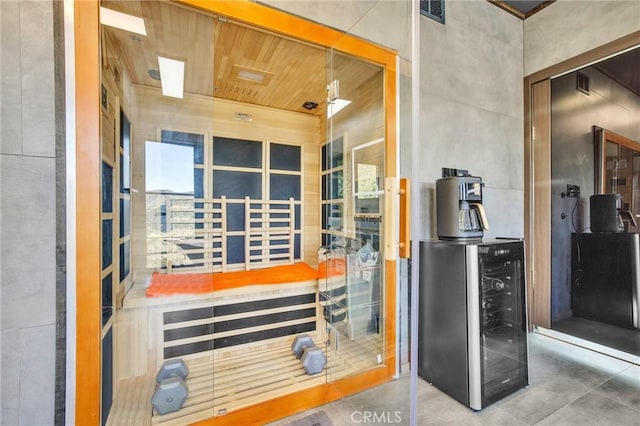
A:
(336, 105)
(250, 75)
(171, 77)
(122, 21)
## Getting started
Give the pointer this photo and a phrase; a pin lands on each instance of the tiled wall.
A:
(471, 110)
(27, 213)
(569, 28)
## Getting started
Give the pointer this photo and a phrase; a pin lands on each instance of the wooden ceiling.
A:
(214, 49)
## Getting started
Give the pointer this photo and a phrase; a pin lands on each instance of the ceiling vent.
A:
(250, 75)
(582, 82)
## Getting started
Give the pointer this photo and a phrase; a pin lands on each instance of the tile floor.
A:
(569, 385)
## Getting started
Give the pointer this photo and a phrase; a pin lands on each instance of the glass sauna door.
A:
(502, 320)
(352, 206)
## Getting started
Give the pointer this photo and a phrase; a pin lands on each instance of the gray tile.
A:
(27, 232)
(466, 65)
(37, 375)
(38, 90)
(533, 404)
(623, 388)
(10, 377)
(593, 409)
(10, 80)
(591, 19)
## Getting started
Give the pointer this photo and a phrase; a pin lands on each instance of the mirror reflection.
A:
(595, 202)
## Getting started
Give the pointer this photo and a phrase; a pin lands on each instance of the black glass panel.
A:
(107, 298)
(125, 217)
(186, 139)
(125, 260)
(285, 157)
(298, 210)
(107, 243)
(237, 184)
(107, 188)
(237, 152)
(325, 184)
(107, 375)
(296, 246)
(235, 217)
(284, 186)
(324, 158)
(198, 183)
(235, 249)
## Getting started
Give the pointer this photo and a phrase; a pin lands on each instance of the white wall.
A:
(27, 213)
(568, 28)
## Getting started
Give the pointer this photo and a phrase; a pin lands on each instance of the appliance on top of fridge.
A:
(459, 210)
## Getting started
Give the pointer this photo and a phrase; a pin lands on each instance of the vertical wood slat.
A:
(540, 233)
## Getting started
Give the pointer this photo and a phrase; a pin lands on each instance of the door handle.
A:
(404, 243)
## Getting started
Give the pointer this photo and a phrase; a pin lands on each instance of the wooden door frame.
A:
(87, 289)
(537, 173)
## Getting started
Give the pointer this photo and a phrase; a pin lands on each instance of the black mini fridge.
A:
(472, 319)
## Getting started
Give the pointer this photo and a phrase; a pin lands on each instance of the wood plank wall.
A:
(152, 112)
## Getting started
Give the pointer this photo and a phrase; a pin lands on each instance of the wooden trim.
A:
(515, 12)
(287, 405)
(587, 58)
(541, 185)
(528, 201)
(88, 164)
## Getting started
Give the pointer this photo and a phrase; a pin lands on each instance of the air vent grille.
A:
(433, 9)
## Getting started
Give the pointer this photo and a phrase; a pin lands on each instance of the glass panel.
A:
(237, 184)
(107, 243)
(236, 152)
(503, 334)
(125, 217)
(352, 185)
(125, 260)
(107, 298)
(285, 157)
(107, 188)
(284, 187)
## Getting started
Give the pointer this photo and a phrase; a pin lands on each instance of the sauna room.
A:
(243, 182)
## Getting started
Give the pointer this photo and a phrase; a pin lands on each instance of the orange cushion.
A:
(168, 284)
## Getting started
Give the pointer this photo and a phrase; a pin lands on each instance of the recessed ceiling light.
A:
(171, 77)
(122, 21)
(310, 105)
